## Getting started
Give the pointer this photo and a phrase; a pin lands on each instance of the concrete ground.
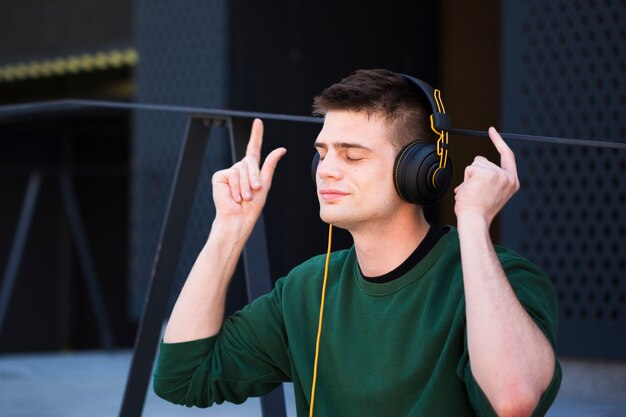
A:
(92, 384)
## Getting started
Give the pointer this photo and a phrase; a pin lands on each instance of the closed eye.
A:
(353, 158)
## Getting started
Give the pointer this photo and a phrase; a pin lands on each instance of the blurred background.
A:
(554, 68)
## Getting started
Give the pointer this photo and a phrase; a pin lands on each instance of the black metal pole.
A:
(86, 260)
(17, 248)
(165, 263)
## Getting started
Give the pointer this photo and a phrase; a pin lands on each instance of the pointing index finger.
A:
(256, 140)
(507, 157)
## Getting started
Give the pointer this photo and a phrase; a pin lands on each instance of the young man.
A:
(419, 320)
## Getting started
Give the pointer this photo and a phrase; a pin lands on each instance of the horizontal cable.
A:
(542, 139)
(29, 109)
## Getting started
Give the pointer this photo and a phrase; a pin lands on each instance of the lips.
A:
(330, 195)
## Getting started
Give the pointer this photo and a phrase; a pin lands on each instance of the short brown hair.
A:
(383, 93)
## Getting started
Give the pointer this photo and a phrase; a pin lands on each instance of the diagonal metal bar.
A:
(19, 241)
(165, 264)
(255, 259)
(81, 242)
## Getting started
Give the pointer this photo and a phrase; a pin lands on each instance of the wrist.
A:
(230, 230)
(473, 222)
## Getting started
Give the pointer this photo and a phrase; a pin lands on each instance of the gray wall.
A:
(564, 66)
(184, 61)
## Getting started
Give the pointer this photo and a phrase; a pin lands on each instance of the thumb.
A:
(269, 166)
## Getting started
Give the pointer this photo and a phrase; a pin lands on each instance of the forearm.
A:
(199, 309)
(511, 359)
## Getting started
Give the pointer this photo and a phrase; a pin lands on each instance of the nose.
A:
(329, 166)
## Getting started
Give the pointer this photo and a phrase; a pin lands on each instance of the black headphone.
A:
(422, 171)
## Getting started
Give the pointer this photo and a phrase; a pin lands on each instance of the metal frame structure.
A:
(255, 255)
(74, 218)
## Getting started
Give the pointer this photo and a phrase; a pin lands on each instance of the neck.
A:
(380, 249)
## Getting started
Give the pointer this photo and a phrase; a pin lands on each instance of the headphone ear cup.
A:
(314, 164)
(417, 175)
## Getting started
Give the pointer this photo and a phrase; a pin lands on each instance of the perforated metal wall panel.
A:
(183, 51)
(564, 74)
(226, 54)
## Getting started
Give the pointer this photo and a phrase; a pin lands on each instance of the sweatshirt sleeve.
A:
(535, 292)
(248, 358)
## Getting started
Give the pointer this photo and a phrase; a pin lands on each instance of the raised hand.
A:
(487, 187)
(240, 191)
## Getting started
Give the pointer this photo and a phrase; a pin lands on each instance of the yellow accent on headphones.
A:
(442, 142)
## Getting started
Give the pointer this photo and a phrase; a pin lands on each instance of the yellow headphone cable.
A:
(319, 326)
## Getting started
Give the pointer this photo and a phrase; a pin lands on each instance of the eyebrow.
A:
(342, 145)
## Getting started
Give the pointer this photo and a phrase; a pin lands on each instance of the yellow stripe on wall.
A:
(72, 64)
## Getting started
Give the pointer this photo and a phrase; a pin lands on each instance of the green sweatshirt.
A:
(387, 349)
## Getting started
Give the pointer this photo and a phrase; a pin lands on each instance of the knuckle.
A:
(492, 174)
(233, 177)
(222, 175)
(512, 182)
(251, 163)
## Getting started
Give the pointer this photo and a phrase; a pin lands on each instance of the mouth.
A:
(330, 195)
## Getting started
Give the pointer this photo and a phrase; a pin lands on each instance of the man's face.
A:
(355, 174)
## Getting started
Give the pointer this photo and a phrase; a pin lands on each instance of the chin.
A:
(330, 218)
(336, 219)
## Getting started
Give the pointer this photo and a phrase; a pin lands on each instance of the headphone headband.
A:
(439, 119)
(440, 123)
